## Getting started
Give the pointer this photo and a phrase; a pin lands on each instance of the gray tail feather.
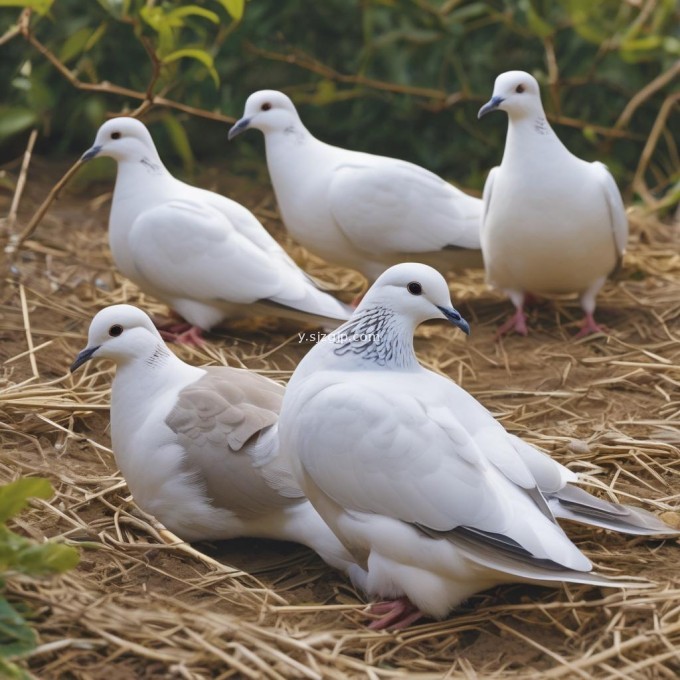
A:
(574, 503)
(529, 569)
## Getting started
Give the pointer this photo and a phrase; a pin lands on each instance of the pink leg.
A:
(395, 614)
(517, 323)
(589, 325)
(181, 332)
(357, 299)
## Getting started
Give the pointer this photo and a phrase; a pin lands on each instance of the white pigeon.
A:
(419, 481)
(361, 211)
(552, 222)
(204, 255)
(198, 447)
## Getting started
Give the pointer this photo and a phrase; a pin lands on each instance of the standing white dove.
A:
(198, 447)
(204, 255)
(359, 210)
(552, 223)
(419, 481)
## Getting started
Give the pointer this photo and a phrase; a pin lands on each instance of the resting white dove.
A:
(204, 255)
(552, 222)
(424, 487)
(198, 447)
(356, 209)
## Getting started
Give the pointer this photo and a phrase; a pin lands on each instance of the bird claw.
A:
(394, 614)
(517, 323)
(589, 326)
(186, 334)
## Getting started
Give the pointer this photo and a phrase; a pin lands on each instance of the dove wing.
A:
(226, 423)
(617, 211)
(398, 207)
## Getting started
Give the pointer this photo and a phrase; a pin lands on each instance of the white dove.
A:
(204, 255)
(198, 447)
(361, 211)
(552, 222)
(424, 487)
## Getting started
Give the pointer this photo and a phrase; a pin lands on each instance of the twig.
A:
(639, 183)
(27, 330)
(645, 93)
(16, 240)
(110, 88)
(21, 182)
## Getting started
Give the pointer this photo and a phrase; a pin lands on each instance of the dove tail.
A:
(574, 503)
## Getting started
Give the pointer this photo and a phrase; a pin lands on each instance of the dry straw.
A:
(608, 407)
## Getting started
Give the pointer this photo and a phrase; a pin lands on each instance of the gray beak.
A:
(84, 356)
(238, 127)
(455, 318)
(491, 105)
(90, 153)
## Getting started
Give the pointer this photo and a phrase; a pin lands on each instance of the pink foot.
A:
(183, 334)
(394, 614)
(588, 326)
(357, 299)
(517, 323)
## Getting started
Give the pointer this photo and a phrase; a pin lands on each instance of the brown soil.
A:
(137, 608)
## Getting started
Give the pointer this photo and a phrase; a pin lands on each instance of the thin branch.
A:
(639, 183)
(110, 88)
(645, 93)
(21, 182)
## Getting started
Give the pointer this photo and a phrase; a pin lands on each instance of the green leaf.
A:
(10, 671)
(190, 10)
(22, 555)
(234, 7)
(14, 496)
(537, 25)
(198, 55)
(15, 119)
(16, 636)
(75, 44)
(179, 139)
(39, 6)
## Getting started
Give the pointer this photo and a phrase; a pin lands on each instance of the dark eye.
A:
(115, 135)
(266, 106)
(414, 288)
(115, 330)
(519, 89)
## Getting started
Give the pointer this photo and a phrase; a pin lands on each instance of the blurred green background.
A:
(403, 78)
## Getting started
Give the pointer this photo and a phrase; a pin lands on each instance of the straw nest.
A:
(608, 407)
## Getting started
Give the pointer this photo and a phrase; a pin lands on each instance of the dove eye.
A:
(414, 288)
(519, 89)
(115, 135)
(266, 106)
(115, 330)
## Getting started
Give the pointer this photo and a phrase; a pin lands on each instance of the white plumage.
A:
(204, 255)
(552, 222)
(198, 447)
(424, 487)
(359, 210)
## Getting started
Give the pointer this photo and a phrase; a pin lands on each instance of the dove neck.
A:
(376, 338)
(285, 148)
(530, 137)
(143, 378)
(147, 171)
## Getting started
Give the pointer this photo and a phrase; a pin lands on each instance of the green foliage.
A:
(400, 77)
(20, 555)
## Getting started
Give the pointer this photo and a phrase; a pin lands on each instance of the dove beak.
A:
(455, 318)
(91, 153)
(84, 356)
(490, 106)
(239, 127)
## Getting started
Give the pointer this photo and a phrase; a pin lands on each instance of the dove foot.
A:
(183, 334)
(394, 614)
(517, 323)
(589, 325)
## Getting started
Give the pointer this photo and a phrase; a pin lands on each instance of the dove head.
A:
(416, 292)
(121, 333)
(517, 93)
(267, 111)
(123, 139)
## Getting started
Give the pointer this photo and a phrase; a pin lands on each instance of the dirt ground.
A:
(606, 406)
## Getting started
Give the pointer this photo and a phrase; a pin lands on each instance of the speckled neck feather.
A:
(379, 336)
